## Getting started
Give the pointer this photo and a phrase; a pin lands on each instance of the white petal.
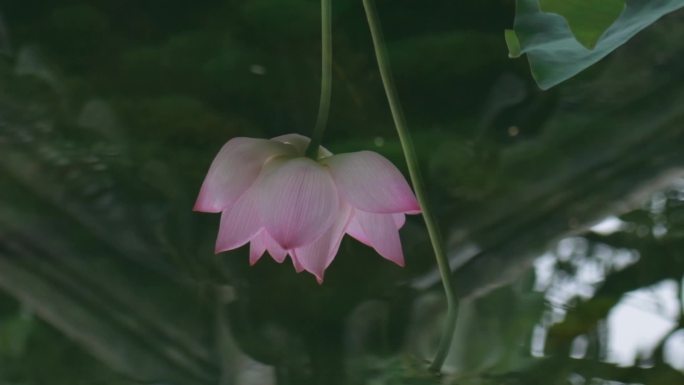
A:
(371, 183)
(298, 201)
(234, 169)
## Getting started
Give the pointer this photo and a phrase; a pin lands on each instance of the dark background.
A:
(111, 112)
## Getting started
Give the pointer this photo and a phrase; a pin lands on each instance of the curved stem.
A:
(418, 186)
(326, 80)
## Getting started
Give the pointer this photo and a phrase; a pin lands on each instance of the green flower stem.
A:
(418, 186)
(326, 80)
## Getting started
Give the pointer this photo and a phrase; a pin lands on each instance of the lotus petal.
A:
(239, 223)
(297, 201)
(263, 242)
(318, 255)
(371, 183)
(355, 230)
(379, 231)
(298, 266)
(300, 143)
(233, 171)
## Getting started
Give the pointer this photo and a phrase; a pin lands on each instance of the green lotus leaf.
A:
(556, 54)
(587, 19)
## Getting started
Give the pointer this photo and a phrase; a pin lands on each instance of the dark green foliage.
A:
(111, 112)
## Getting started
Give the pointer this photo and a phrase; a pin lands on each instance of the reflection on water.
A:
(637, 324)
(658, 307)
(563, 210)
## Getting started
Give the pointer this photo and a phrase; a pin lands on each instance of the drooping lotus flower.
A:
(271, 195)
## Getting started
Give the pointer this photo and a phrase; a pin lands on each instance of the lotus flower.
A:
(272, 196)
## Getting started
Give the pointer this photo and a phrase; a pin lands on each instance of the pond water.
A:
(562, 210)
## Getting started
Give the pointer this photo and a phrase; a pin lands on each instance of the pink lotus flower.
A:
(272, 196)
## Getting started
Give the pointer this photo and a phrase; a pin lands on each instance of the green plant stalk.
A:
(326, 80)
(418, 186)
